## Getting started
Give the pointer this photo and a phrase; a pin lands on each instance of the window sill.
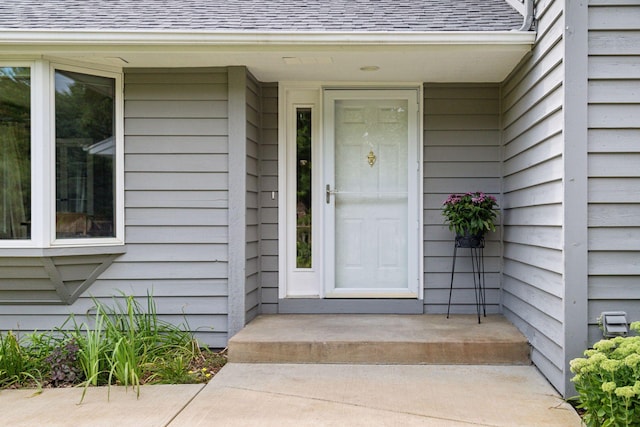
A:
(57, 251)
(57, 275)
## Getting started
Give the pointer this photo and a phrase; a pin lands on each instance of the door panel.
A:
(367, 166)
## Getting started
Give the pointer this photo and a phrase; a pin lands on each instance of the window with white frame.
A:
(60, 156)
(15, 153)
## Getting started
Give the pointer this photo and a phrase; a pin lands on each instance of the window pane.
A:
(15, 153)
(303, 190)
(85, 148)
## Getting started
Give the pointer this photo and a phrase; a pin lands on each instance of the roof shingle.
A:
(260, 15)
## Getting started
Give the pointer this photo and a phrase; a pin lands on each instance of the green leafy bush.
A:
(608, 382)
(64, 365)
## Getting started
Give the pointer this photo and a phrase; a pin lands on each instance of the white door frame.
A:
(310, 283)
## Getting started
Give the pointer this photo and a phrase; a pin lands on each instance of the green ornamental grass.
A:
(22, 360)
(608, 382)
(123, 343)
(127, 342)
(13, 360)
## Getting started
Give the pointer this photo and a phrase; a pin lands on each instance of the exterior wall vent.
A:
(614, 324)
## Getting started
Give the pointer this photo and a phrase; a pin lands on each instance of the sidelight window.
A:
(303, 190)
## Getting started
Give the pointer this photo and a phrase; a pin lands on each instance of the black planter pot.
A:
(470, 240)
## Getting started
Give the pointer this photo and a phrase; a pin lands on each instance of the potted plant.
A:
(470, 215)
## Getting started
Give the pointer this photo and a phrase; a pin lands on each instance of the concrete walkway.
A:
(314, 395)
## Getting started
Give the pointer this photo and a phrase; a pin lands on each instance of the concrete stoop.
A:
(380, 339)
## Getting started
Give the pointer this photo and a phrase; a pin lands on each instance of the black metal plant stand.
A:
(476, 247)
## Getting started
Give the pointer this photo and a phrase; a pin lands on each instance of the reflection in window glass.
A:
(303, 188)
(15, 153)
(85, 148)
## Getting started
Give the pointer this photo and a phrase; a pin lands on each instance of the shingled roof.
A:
(260, 15)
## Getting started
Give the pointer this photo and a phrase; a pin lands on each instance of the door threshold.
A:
(351, 306)
(371, 295)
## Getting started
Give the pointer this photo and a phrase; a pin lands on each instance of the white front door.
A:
(371, 170)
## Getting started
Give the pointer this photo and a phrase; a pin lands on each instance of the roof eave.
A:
(169, 37)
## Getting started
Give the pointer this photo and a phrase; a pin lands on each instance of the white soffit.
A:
(429, 57)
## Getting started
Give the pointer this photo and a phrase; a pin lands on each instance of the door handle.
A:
(329, 192)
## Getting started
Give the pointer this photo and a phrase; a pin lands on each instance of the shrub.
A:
(608, 381)
(64, 364)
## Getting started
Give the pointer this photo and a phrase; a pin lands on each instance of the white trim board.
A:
(310, 95)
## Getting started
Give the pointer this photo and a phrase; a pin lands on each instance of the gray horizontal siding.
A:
(52, 279)
(163, 144)
(461, 154)
(532, 121)
(176, 165)
(176, 201)
(268, 199)
(614, 160)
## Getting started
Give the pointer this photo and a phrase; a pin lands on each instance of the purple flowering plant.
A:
(470, 213)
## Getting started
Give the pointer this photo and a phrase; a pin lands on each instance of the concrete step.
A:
(379, 339)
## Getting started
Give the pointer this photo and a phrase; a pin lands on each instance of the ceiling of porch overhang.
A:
(471, 58)
(432, 64)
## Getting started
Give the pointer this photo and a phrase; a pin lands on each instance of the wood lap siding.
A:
(614, 159)
(176, 199)
(461, 153)
(175, 206)
(268, 204)
(252, 285)
(533, 286)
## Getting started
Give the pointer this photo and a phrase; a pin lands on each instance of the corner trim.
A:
(237, 115)
(575, 186)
